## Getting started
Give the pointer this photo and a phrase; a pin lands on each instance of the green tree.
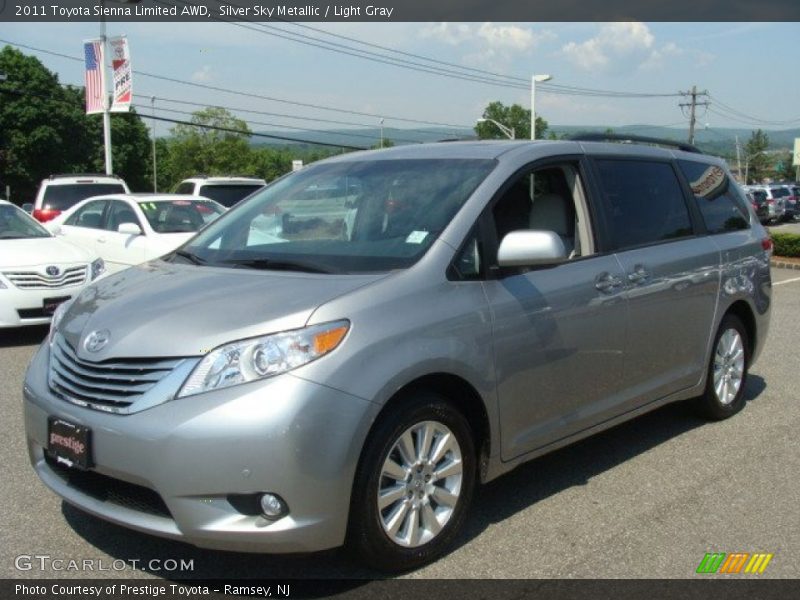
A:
(216, 143)
(387, 143)
(757, 159)
(514, 117)
(45, 130)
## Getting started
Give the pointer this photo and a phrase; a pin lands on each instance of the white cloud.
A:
(488, 37)
(613, 42)
(203, 74)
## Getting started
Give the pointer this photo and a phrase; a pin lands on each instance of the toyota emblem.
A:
(53, 271)
(97, 340)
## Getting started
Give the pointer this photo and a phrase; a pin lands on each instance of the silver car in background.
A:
(346, 354)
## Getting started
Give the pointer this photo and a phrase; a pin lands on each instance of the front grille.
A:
(111, 385)
(31, 280)
(111, 490)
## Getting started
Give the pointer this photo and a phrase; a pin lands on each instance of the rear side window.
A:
(226, 194)
(722, 207)
(644, 202)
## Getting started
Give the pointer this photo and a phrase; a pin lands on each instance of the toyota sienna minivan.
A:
(345, 355)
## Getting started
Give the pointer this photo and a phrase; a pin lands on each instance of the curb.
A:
(782, 264)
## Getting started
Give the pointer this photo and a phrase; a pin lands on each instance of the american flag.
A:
(95, 88)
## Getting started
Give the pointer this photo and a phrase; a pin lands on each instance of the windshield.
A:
(228, 194)
(180, 216)
(352, 217)
(62, 197)
(16, 224)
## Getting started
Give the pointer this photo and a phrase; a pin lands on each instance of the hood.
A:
(41, 252)
(162, 309)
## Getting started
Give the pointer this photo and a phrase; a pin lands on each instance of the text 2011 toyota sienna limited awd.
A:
(342, 357)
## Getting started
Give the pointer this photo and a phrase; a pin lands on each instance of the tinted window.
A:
(780, 192)
(644, 202)
(228, 195)
(62, 197)
(89, 215)
(718, 199)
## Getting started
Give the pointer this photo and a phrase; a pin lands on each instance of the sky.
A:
(748, 67)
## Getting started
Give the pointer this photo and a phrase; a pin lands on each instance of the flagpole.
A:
(106, 112)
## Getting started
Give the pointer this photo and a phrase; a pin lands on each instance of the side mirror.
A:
(531, 248)
(129, 229)
(27, 207)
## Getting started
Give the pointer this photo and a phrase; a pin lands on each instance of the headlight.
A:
(58, 315)
(259, 358)
(98, 268)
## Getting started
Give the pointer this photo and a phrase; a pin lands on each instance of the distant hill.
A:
(714, 140)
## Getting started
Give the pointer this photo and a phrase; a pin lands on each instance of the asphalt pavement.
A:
(646, 499)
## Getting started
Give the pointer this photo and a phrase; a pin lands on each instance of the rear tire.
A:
(727, 371)
(413, 485)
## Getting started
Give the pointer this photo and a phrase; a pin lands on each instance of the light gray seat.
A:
(553, 212)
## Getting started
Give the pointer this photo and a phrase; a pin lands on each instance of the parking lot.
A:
(646, 499)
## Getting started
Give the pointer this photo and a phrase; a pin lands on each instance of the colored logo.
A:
(734, 563)
(96, 340)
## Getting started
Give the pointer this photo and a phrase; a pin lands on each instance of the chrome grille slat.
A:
(112, 385)
(31, 280)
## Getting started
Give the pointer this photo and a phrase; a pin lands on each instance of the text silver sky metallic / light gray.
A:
(344, 355)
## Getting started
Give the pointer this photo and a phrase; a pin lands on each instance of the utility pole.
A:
(693, 108)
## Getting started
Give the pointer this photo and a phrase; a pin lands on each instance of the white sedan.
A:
(129, 229)
(37, 271)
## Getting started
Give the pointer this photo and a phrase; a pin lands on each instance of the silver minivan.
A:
(346, 354)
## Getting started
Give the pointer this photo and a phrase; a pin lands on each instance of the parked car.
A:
(492, 301)
(758, 200)
(228, 191)
(775, 200)
(128, 229)
(791, 198)
(37, 271)
(58, 193)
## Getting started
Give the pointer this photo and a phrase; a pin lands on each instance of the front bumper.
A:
(30, 302)
(285, 435)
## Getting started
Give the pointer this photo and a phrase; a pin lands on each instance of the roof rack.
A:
(63, 175)
(631, 139)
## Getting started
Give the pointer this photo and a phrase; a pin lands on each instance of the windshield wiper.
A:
(192, 258)
(270, 264)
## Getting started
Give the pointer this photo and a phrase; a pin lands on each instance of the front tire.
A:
(727, 371)
(413, 485)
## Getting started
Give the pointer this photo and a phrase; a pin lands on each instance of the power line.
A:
(247, 94)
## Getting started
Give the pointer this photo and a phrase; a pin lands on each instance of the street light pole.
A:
(106, 107)
(381, 132)
(155, 172)
(506, 131)
(534, 80)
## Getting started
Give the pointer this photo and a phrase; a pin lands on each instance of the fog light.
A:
(272, 506)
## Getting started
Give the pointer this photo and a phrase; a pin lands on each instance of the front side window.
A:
(643, 201)
(352, 216)
(90, 215)
(120, 213)
(718, 199)
(16, 224)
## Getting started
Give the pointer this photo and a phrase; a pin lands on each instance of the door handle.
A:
(606, 282)
(638, 275)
